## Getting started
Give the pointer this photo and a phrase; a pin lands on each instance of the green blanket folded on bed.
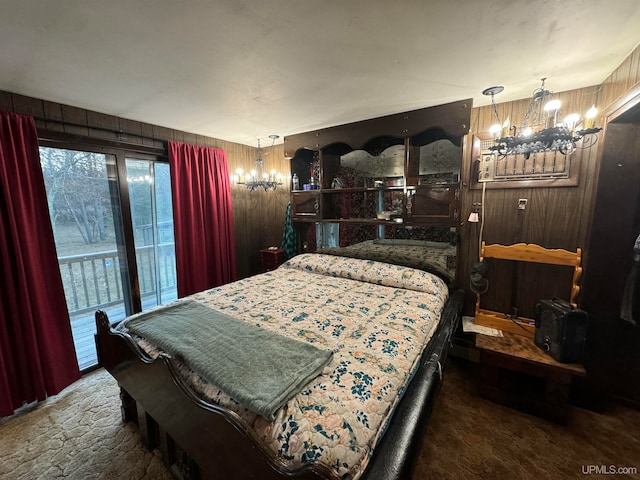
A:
(259, 369)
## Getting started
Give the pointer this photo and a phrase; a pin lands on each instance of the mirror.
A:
(360, 168)
(439, 163)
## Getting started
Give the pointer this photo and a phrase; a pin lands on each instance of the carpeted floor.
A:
(79, 435)
(471, 438)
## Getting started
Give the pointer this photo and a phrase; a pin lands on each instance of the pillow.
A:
(371, 271)
(411, 243)
(432, 260)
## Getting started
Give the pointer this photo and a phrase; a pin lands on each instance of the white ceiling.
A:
(243, 69)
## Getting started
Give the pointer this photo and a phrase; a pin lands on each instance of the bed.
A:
(387, 328)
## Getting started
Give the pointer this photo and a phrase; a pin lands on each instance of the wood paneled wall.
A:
(556, 217)
(621, 80)
(258, 215)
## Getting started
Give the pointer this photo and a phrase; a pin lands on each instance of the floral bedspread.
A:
(375, 317)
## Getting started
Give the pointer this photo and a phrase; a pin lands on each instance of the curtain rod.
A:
(103, 129)
(74, 140)
(58, 136)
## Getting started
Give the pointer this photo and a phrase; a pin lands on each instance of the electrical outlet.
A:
(522, 203)
(486, 170)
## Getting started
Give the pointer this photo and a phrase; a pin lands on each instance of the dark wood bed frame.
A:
(199, 440)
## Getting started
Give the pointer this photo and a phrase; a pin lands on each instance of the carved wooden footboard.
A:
(199, 440)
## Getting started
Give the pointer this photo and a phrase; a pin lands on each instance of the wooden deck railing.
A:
(94, 281)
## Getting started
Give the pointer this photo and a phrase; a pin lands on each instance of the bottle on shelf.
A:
(296, 182)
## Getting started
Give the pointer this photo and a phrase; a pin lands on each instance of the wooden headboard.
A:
(526, 252)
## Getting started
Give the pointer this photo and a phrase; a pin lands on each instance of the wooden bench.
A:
(516, 373)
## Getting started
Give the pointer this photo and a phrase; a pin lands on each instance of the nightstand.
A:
(271, 258)
(516, 373)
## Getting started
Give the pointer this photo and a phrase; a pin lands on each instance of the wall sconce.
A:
(474, 216)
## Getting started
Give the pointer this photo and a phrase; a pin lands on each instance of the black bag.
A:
(561, 330)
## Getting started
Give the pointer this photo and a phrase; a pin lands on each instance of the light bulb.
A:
(590, 118)
(552, 105)
(571, 121)
(495, 130)
(506, 125)
(527, 132)
(552, 108)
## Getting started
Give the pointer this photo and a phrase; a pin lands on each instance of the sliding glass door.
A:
(81, 188)
(110, 259)
(152, 217)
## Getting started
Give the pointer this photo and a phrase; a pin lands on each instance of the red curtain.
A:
(203, 217)
(37, 356)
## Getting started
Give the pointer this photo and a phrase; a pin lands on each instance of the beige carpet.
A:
(79, 435)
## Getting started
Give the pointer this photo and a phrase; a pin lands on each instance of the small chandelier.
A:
(540, 130)
(257, 178)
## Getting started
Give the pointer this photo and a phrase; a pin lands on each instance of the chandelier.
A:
(256, 178)
(540, 129)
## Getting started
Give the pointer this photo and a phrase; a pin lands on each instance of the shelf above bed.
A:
(411, 160)
(365, 221)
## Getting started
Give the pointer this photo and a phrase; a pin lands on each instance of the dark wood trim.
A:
(612, 358)
(453, 118)
(623, 104)
(55, 138)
